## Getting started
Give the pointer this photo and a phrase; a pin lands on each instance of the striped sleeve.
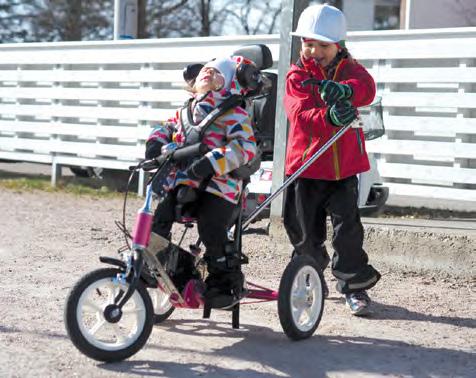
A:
(162, 133)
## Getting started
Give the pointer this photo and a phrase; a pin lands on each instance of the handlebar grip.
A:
(150, 165)
(185, 153)
(312, 80)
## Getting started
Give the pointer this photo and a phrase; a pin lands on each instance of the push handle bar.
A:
(187, 152)
(178, 155)
(354, 124)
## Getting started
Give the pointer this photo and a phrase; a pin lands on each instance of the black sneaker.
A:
(224, 290)
(325, 288)
(359, 303)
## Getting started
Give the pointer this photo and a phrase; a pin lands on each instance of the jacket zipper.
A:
(309, 144)
(359, 140)
(335, 150)
(307, 148)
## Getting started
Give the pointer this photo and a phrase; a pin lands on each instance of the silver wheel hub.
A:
(306, 298)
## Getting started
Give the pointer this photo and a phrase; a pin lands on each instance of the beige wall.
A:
(423, 13)
(359, 14)
(442, 13)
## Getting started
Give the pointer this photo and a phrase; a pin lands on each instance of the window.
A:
(387, 14)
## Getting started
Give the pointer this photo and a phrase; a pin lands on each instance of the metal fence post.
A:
(291, 9)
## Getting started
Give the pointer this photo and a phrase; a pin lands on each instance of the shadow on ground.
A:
(274, 355)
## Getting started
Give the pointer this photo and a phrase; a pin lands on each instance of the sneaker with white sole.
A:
(359, 303)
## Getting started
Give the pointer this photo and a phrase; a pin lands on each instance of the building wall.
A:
(424, 14)
(442, 13)
(359, 14)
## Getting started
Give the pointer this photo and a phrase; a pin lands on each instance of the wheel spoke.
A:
(308, 313)
(297, 313)
(165, 300)
(132, 310)
(301, 282)
(88, 304)
(99, 324)
(120, 334)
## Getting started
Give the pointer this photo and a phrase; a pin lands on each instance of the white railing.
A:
(93, 103)
(427, 81)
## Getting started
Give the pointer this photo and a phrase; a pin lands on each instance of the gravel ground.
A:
(422, 325)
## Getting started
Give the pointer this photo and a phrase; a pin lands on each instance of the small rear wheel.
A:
(301, 298)
(92, 322)
(162, 306)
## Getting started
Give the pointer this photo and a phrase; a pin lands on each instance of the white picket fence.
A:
(93, 103)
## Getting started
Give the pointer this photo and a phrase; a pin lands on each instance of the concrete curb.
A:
(411, 245)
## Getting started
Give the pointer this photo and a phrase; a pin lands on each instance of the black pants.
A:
(307, 204)
(214, 217)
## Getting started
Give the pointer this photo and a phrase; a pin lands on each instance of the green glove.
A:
(342, 113)
(332, 91)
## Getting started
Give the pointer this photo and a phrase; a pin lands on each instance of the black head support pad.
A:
(190, 73)
(248, 76)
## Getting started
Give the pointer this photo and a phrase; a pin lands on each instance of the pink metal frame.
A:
(192, 294)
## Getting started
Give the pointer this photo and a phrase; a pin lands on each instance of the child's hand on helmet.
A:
(342, 113)
(200, 169)
(332, 91)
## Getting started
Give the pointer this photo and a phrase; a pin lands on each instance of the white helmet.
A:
(226, 66)
(322, 22)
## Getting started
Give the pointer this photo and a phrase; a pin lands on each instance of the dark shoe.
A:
(325, 288)
(224, 289)
(359, 303)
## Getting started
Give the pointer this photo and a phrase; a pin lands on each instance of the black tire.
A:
(74, 330)
(85, 172)
(159, 318)
(297, 266)
(378, 196)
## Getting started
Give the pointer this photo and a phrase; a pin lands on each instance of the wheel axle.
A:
(112, 313)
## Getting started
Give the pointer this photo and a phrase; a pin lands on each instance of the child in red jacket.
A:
(329, 185)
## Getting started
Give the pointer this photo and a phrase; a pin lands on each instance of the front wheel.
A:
(90, 325)
(301, 298)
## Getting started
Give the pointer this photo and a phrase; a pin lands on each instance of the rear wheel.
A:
(82, 171)
(162, 306)
(91, 321)
(301, 298)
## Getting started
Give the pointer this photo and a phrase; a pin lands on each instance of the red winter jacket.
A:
(309, 128)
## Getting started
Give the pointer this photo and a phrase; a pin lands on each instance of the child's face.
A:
(323, 52)
(209, 79)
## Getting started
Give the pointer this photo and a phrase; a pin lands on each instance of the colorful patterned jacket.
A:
(230, 139)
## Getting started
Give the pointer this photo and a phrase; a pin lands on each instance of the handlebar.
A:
(178, 155)
(312, 81)
(187, 152)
